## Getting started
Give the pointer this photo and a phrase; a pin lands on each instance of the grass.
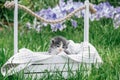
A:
(103, 36)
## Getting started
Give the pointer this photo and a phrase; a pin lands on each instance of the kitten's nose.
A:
(60, 49)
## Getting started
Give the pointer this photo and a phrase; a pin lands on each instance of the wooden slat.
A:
(37, 76)
(64, 73)
(53, 67)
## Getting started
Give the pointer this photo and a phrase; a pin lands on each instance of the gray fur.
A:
(55, 44)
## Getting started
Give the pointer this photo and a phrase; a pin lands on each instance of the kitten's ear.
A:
(52, 41)
(68, 42)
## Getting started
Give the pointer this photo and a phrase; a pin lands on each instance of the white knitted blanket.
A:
(86, 53)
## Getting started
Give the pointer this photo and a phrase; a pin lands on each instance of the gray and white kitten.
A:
(58, 44)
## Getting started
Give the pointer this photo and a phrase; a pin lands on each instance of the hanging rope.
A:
(11, 4)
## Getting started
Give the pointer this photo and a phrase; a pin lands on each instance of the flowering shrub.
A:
(62, 9)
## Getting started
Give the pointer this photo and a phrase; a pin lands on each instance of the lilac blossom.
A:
(74, 23)
(62, 3)
(59, 26)
(77, 5)
(70, 10)
(104, 10)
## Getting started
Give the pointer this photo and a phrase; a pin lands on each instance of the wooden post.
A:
(86, 22)
(16, 27)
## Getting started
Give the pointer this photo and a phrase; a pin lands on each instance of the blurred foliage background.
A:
(6, 15)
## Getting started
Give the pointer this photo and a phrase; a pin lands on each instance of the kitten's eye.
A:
(58, 45)
(65, 47)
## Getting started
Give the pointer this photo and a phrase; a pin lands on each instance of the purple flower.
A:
(103, 10)
(58, 26)
(59, 11)
(62, 3)
(53, 16)
(53, 27)
(77, 4)
(70, 10)
(74, 23)
(107, 4)
(69, 1)
(64, 12)
(117, 10)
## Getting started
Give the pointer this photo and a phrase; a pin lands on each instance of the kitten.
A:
(58, 44)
